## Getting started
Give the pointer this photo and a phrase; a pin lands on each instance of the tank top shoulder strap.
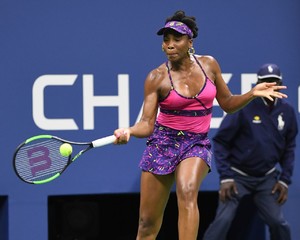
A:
(200, 66)
(170, 77)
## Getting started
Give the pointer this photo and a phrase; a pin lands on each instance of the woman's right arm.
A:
(145, 126)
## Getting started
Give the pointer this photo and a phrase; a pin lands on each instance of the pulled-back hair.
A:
(190, 21)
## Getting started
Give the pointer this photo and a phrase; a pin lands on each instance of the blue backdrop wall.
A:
(76, 69)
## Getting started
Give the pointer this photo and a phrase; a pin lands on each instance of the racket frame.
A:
(96, 143)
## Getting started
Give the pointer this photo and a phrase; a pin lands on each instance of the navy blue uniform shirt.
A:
(256, 138)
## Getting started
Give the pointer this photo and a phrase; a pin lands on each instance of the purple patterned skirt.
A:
(167, 147)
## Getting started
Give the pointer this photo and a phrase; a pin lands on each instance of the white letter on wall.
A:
(216, 121)
(299, 99)
(90, 101)
(248, 80)
(38, 102)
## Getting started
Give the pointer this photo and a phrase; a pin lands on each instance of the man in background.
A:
(248, 147)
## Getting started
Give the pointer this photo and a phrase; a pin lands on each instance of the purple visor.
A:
(178, 27)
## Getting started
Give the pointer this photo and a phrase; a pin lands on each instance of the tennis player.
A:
(178, 150)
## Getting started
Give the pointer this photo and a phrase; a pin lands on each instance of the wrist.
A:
(252, 94)
(283, 183)
(227, 180)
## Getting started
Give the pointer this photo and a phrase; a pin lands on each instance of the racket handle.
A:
(104, 141)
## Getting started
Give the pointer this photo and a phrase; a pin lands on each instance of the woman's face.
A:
(176, 45)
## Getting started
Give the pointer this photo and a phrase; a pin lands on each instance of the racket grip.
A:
(104, 141)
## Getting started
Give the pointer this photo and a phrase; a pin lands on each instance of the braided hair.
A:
(190, 21)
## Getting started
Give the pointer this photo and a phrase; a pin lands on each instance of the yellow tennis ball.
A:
(65, 150)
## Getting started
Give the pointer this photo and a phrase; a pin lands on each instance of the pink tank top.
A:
(188, 113)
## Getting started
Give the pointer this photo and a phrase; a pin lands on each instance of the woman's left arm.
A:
(231, 103)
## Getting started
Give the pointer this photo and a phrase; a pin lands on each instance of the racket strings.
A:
(37, 161)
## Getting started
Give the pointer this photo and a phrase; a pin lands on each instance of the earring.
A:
(162, 48)
(191, 51)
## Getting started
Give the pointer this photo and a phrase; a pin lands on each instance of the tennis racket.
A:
(38, 160)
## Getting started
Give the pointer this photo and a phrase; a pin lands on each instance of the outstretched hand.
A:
(269, 90)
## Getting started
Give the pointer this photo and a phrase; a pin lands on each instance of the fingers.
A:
(235, 189)
(279, 87)
(282, 193)
(282, 197)
(279, 95)
(269, 90)
(122, 136)
(222, 196)
(227, 191)
(275, 188)
(225, 194)
(275, 92)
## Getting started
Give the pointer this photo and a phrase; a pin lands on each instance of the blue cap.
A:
(269, 70)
